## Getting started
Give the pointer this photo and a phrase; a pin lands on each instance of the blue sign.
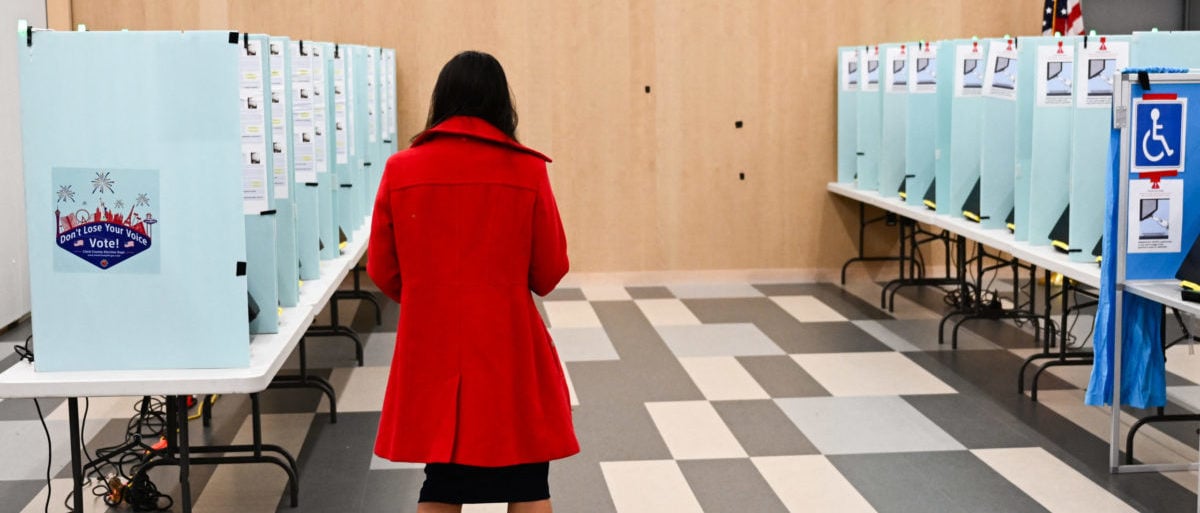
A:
(1159, 135)
(105, 217)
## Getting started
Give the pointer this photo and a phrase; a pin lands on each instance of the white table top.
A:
(1044, 257)
(1165, 292)
(267, 352)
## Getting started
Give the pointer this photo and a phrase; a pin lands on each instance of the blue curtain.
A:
(1143, 373)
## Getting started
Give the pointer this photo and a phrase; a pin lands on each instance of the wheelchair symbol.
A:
(1153, 135)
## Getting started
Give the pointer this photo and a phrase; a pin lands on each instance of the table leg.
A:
(76, 458)
(185, 487)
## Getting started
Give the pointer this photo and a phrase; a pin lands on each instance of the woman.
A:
(465, 226)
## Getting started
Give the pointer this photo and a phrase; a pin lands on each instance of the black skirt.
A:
(452, 483)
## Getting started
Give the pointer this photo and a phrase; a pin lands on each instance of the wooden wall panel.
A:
(646, 181)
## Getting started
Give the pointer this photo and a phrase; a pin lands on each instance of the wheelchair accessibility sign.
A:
(1159, 131)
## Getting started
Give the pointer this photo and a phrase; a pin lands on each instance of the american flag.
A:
(1064, 17)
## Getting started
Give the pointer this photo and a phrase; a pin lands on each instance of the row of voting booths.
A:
(195, 179)
(1008, 132)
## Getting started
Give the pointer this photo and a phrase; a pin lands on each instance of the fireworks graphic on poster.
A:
(102, 183)
(66, 194)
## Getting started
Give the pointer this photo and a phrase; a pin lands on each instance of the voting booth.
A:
(921, 124)
(195, 181)
(144, 264)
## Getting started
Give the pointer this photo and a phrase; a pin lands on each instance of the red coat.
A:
(465, 226)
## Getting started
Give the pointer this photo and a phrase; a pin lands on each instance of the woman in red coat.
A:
(465, 226)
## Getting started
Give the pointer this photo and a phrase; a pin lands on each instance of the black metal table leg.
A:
(185, 485)
(76, 457)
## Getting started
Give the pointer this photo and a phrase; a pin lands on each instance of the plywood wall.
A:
(646, 181)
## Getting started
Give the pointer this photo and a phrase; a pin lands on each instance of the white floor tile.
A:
(807, 309)
(866, 425)
(861, 374)
(605, 293)
(1051, 482)
(485, 508)
(693, 430)
(888, 337)
(1183, 360)
(570, 385)
(59, 490)
(649, 487)
(583, 344)
(740, 339)
(364, 389)
(571, 314)
(722, 378)
(810, 483)
(667, 312)
(378, 463)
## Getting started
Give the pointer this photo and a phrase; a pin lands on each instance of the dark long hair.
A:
(473, 84)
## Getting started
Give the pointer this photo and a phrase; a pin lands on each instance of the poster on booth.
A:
(849, 72)
(869, 72)
(896, 72)
(1055, 75)
(1096, 72)
(105, 220)
(969, 66)
(1155, 216)
(320, 121)
(254, 125)
(278, 120)
(340, 118)
(303, 140)
(922, 69)
(1000, 76)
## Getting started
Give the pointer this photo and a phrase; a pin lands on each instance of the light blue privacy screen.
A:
(304, 159)
(261, 257)
(1050, 149)
(997, 151)
(345, 146)
(921, 122)
(1097, 58)
(375, 157)
(870, 112)
(389, 120)
(323, 119)
(360, 156)
(283, 149)
(966, 117)
(894, 83)
(133, 186)
(847, 135)
(1023, 135)
(946, 87)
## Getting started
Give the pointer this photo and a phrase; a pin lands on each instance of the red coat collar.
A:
(475, 128)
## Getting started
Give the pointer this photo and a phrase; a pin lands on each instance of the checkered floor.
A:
(713, 397)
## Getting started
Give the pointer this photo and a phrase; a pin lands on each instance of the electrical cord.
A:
(25, 352)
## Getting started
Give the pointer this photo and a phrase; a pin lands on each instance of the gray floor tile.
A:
(717, 340)
(942, 481)
(923, 334)
(782, 377)
(713, 290)
(16, 332)
(763, 429)
(17, 494)
(561, 294)
(647, 364)
(856, 425)
(830, 337)
(888, 337)
(23, 409)
(383, 490)
(610, 396)
(649, 292)
(974, 423)
(335, 462)
(576, 484)
(730, 486)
